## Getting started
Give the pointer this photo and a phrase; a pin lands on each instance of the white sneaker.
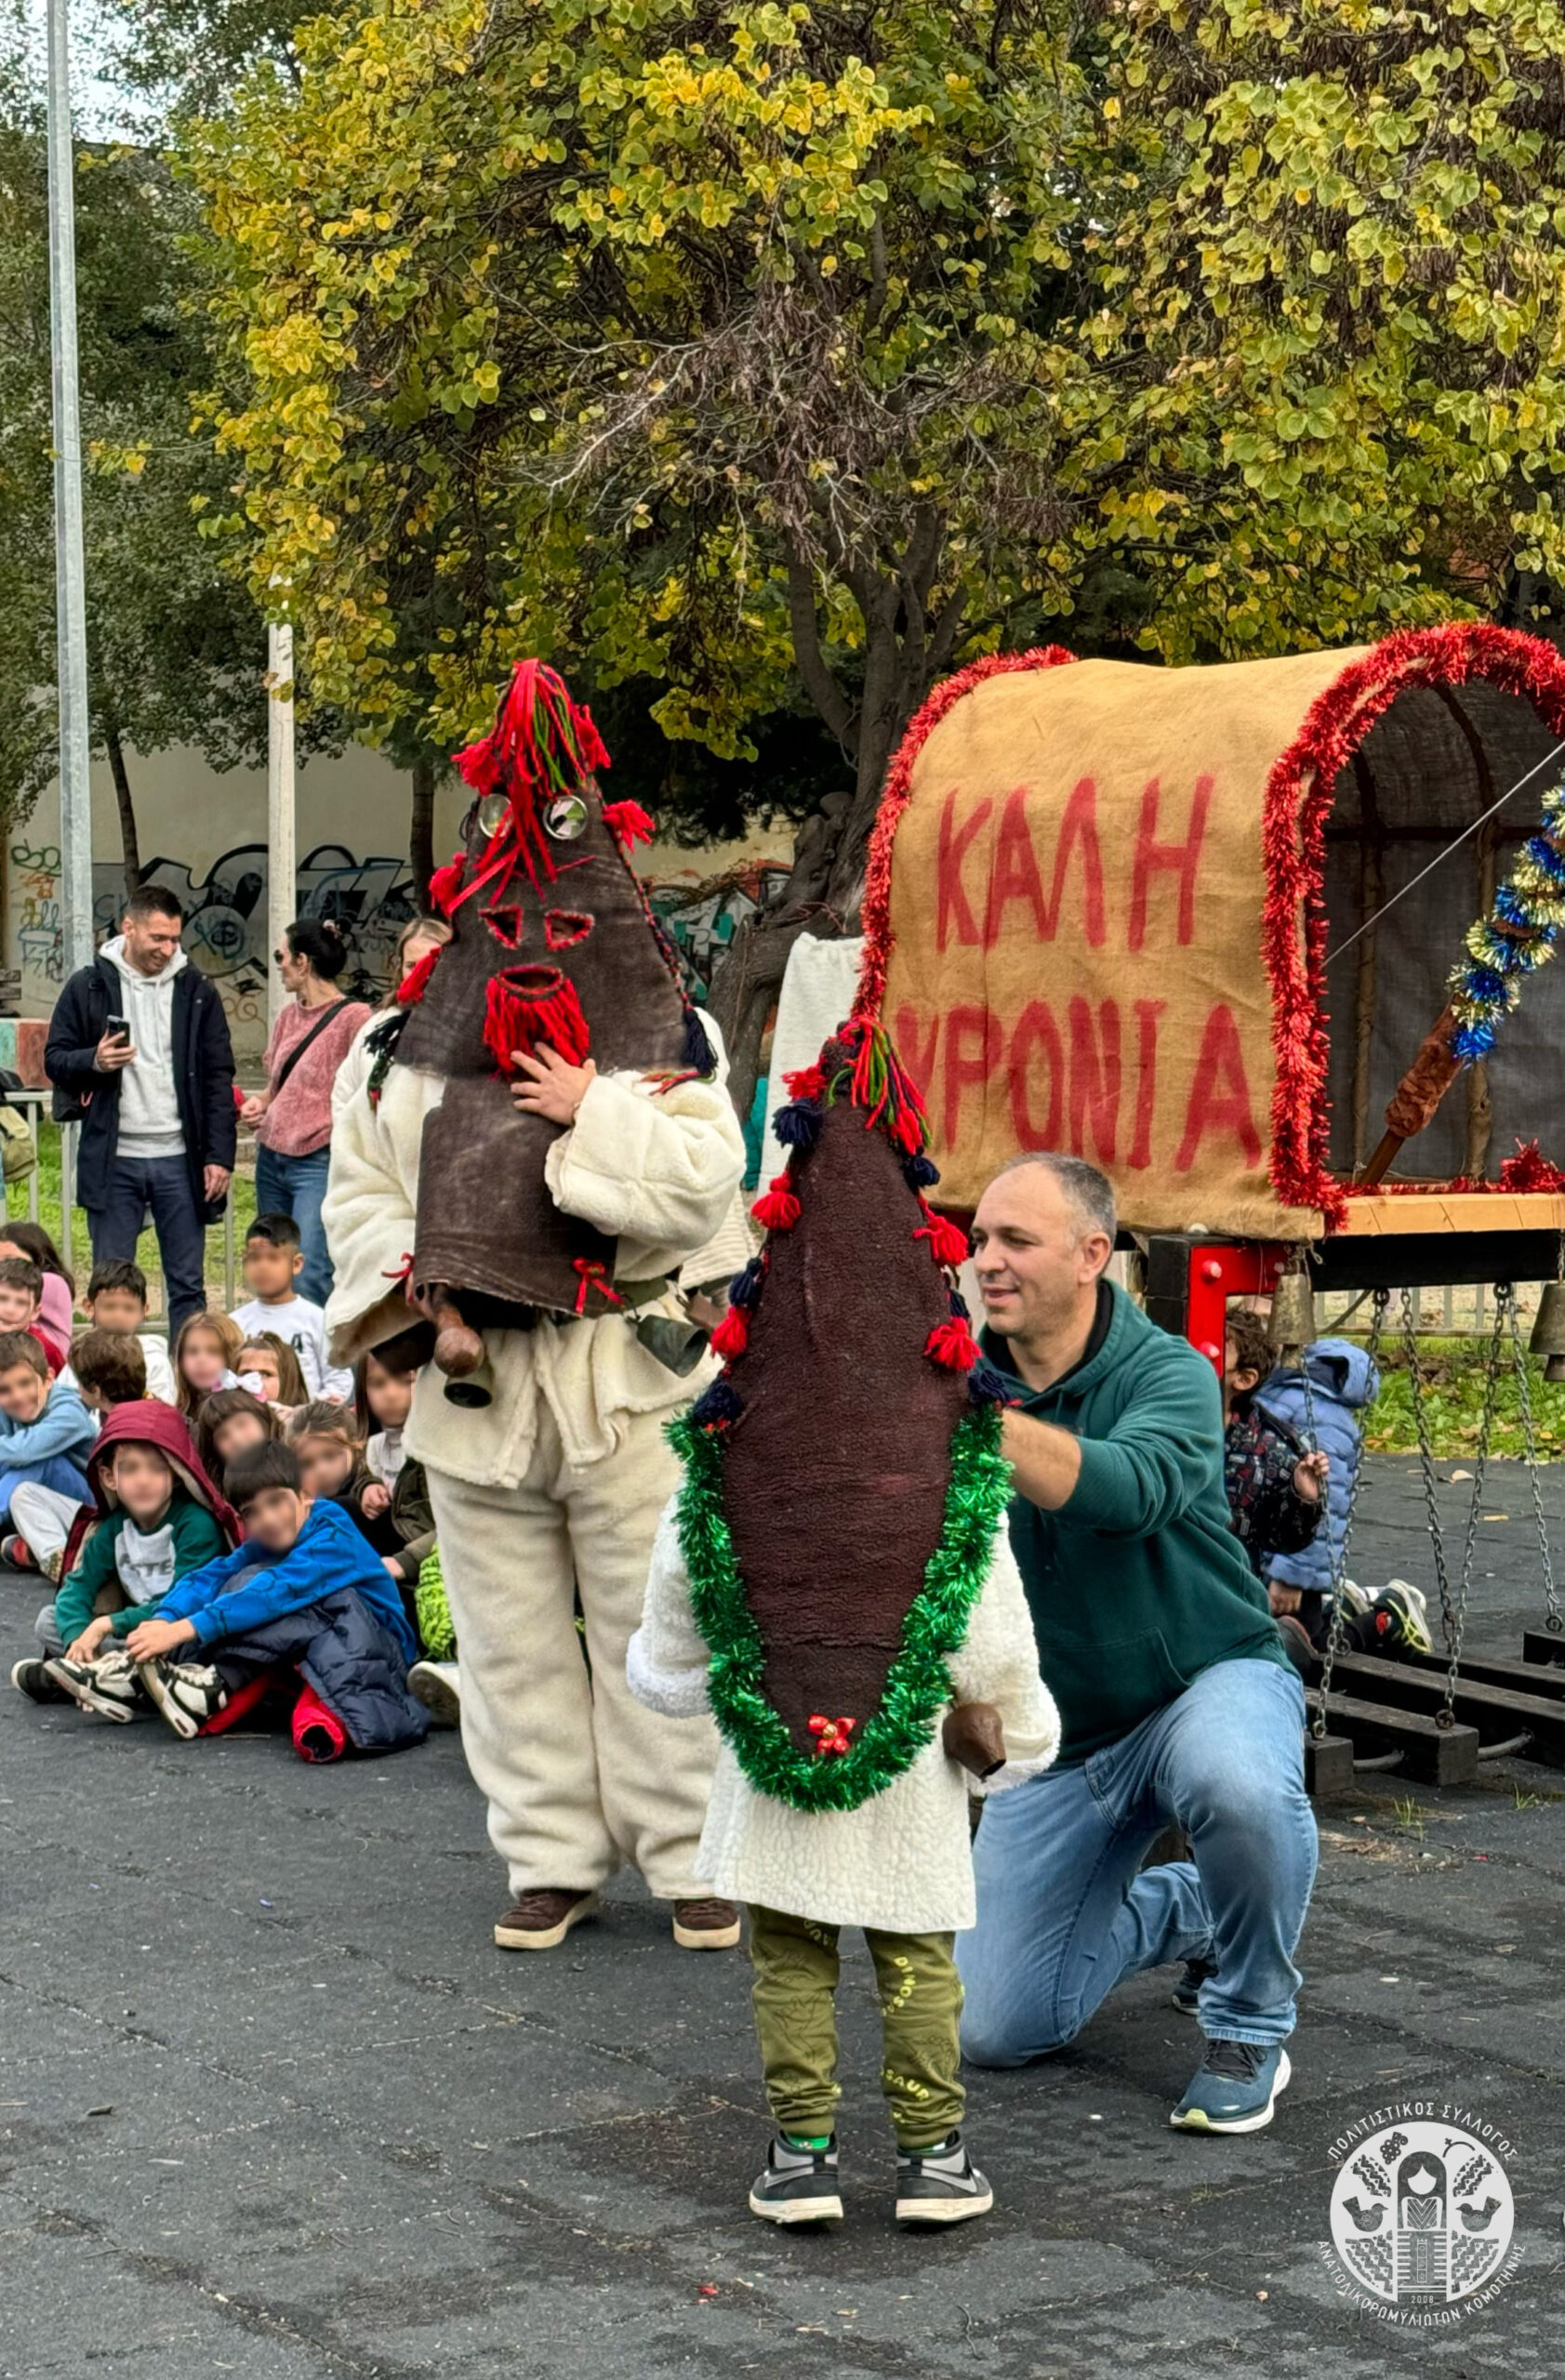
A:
(188, 1693)
(434, 1684)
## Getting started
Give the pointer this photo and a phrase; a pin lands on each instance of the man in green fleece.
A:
(1177, 1699)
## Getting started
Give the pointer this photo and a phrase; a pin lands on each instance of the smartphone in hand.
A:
(116, 1029)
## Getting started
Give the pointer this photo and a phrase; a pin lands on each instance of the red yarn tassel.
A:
(629, 822)
(529, 1006)
(416, 983)
(806, 1082)
(947, 1244)
(731, 1335)
(952, 1343)
(778, 1211)
(447, 882)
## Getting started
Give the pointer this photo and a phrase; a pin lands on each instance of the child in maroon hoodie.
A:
(155, 1517)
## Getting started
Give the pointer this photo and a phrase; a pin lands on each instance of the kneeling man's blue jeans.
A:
(1063, 1913)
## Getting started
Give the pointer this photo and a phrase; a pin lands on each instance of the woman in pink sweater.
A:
(292, 1116)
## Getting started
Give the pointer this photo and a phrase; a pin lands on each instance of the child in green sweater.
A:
(157, 1517)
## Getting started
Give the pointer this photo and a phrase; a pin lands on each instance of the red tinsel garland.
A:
(1298, 800)
(875, 908)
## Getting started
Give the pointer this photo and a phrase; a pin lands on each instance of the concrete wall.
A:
(205, 835)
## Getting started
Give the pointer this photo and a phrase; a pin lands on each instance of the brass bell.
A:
(1291, 1325)
(1548, 1330)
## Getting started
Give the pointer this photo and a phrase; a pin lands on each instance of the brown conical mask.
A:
(842, 1488)
(552, 945)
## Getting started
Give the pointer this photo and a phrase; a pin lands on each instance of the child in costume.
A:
(155, 1517)
(541, 1139)
(834, 1580)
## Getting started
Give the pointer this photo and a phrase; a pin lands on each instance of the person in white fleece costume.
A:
(549, 1490)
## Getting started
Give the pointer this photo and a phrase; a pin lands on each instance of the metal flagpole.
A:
(281, 869)
(75, 783)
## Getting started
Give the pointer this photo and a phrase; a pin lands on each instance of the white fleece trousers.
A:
(577, 1774)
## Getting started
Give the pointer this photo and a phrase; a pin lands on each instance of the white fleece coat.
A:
(655, 1167)
(901, 1862)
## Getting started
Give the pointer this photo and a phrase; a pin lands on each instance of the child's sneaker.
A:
(940, 2185)
(1398, 1620)
(118, 1678)
(798, 2184)
(33, 1679)
(15, 1553)
(435, 1684)
(188, 1693)
(81, 1682)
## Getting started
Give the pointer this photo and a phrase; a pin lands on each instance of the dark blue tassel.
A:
(797, 1126)
(984, 1385)
(959, 1306)
(721, 1405)
(697, 1048)
(921, 1172)
(745, 1287)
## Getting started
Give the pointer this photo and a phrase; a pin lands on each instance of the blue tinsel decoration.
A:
(1470, 1042)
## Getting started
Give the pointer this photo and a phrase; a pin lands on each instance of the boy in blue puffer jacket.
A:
(1343, 1382)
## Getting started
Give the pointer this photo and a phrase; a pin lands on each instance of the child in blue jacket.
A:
(303, 1590)
(46, 1430)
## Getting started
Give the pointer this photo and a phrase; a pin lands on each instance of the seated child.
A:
(1273, 1487)
(1341, 1383)
(117, 1300)
(331, 1463)
(271, 1370)
(21, 1290)
(303, 1590)
(272, 1261)
(109, 1370)
(156, 1517)
(22, 1237)
(839, 1796)
(229, 1420)
(383, 1398)
(204, 1361)
(46, 1430)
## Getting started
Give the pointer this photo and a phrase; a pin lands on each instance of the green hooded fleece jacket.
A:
(1137, 1583)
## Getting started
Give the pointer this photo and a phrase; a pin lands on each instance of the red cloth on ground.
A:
(241, 1702)
(319, 1733)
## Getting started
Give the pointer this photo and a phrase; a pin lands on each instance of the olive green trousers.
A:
(796, 1965)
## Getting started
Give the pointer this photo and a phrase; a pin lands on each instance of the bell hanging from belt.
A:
(1548, 1330)
(1291, 1325)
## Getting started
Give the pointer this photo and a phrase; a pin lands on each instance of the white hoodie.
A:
(150, 1125)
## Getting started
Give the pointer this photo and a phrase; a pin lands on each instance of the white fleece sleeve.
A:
(666, 1662)
(370, 1203)
(656, 1164)
(998, 1664)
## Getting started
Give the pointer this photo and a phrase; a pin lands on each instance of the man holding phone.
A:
(139, 1057)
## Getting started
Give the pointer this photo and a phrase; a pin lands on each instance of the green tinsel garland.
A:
(917, 1684)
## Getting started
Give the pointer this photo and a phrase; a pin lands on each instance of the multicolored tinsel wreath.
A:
(917, 1686)
(1515, 939)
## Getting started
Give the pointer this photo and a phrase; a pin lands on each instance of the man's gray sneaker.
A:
(798, 2185)
(940, 2185)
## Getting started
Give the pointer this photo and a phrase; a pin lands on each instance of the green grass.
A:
(1453, 1371)
(243, 1198)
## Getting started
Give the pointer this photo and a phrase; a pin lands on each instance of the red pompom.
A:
(416, 983)
(952, 1343)
(447, 882)
(731, 1335)
(805, 1082)
(629, 822)
(778, 1211)
(947, 1244)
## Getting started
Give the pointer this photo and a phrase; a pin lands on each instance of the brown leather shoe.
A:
(541, 1919)
(706, 1924)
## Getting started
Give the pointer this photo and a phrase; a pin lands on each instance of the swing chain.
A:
(1453, 1622)
(1337, 1558)
(1425, 1459)
(1555, 1622)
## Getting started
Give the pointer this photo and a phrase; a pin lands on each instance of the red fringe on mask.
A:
(416, 983)
(542, 744)
(528, 1008)
(447, 882)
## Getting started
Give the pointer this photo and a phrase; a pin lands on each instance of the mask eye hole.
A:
(563, 927)
(566, 817)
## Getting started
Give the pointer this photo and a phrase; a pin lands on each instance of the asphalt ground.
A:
(270, 2103)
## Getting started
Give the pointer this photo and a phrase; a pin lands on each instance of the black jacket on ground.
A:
(203, 1078)
(352, 1660)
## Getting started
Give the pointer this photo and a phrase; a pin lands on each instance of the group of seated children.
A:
(1288, 1502)
(110, 1490)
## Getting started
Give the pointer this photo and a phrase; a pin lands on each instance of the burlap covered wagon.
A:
(1103, 901)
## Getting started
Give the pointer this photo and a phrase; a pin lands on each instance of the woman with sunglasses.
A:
(292, 1117)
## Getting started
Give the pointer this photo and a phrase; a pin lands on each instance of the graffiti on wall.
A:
(225, 914)
(701, 919)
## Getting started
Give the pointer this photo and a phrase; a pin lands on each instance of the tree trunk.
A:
(420, 833)
(130, 847)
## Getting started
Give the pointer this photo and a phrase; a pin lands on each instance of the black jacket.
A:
(352, 1660)
(203, 1078)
